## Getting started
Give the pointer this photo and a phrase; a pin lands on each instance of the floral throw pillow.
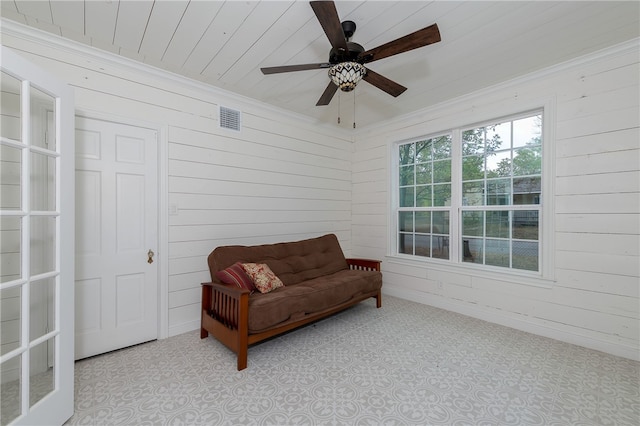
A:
(235, 274)
(263, 277)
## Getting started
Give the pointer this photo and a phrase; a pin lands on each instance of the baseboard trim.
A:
(620, 350)
(184, 327)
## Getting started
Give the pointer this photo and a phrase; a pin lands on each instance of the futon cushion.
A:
(263, 277)
(292, 262)
(293, 302)
(236, 275)
(314, 272)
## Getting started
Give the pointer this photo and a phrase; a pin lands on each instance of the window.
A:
(424, 176)
(473, 195)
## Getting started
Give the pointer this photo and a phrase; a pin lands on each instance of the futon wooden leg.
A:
(243, 347)
(242, 359)
(206, 306)
(243, 331)
(379, 300)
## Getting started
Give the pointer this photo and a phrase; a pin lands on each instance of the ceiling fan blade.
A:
(420, 38)
(383, 83)
(328, 17)
(290, 68)
(327, 95)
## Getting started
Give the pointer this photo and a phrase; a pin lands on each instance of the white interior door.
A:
(37, 245)
(116, 236)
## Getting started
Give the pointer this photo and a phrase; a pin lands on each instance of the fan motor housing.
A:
(337, 56)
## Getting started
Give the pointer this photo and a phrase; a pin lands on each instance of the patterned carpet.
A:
(403, 364)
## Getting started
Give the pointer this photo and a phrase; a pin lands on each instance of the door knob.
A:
(150, 254)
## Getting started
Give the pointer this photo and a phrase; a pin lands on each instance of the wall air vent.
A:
(229, 118)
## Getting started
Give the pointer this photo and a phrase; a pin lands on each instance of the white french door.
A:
(37, 245)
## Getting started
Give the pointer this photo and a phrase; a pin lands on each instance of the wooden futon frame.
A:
(225, 313)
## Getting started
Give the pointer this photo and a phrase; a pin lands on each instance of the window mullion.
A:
(456, 196)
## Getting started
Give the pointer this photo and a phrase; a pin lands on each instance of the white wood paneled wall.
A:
(594, 300)
(284, 178)
(273, 181)
(281, 178)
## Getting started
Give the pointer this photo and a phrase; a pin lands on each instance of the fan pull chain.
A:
(338, 107)
(354, 109)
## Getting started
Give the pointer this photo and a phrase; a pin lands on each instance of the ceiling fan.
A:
(347, 59)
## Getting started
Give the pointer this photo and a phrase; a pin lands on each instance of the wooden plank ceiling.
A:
(224, 44)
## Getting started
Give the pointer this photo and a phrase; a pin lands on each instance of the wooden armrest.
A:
(227, 289)
(212, 293)
(227, 304)
(364, 264)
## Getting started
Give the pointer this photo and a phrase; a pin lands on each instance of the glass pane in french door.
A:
(11, 166)
(42, 244)
(11, 127)
(10, 237)
(42, 308)
(10, 390)
(43, 180)
(41, 374)
(42, 126)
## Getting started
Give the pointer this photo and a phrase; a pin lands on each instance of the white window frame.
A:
(546, 275)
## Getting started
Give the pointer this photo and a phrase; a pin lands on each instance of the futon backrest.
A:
(292, 262)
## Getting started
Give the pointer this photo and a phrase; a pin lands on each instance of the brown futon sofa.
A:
(318, 281)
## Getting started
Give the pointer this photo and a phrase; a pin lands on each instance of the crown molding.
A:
(50, 40)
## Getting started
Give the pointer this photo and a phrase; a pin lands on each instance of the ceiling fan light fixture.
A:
(346, 75)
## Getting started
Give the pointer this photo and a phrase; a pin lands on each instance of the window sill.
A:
(498, 274)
